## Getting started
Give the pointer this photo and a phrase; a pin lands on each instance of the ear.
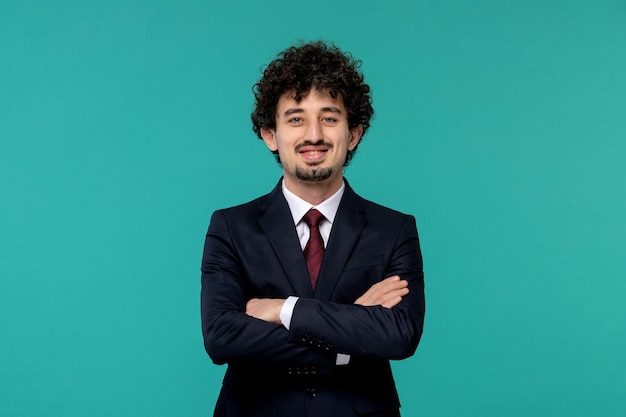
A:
(269, 137)
(355, 137)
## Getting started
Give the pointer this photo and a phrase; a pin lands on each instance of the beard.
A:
(313, 174)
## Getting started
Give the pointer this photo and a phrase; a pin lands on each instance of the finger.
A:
(392, 303)
(384, 283)
(371, 294)
(377, 292)
(391, 286)
(250, 303)
(393, 278)
(387, 299)
(393, 298)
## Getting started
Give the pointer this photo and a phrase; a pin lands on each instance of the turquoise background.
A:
(500, 125)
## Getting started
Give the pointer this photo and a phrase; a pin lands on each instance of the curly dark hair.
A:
(317, 64)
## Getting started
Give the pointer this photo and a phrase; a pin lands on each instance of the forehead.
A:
(314, 99)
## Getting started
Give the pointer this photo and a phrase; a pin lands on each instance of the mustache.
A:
(328, 145)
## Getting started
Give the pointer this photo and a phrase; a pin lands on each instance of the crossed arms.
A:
(383, 322)
(386, 293)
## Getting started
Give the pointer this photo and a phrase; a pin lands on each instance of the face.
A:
(312, 138)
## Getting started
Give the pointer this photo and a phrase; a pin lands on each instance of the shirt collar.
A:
(299, 207)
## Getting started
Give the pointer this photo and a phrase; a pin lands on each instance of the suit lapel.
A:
(346, 230)
(276, 221)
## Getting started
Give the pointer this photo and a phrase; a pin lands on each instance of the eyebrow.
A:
(296, 110)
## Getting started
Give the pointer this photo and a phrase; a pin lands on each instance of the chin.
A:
(314, 174)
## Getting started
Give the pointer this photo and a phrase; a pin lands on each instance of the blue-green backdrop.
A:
(501, 125)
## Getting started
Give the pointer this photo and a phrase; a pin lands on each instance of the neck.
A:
(313, 192)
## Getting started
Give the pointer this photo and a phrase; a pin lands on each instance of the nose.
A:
(313, 131)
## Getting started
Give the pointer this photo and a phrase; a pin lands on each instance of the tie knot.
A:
(313, 218)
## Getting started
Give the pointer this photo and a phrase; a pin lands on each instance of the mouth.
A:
(313, 154)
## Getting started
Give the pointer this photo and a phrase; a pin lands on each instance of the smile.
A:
(313, 156)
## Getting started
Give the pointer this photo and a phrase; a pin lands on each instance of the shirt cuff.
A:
(342, 359)
(286, 312)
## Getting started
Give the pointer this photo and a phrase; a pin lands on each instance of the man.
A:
(310, 290)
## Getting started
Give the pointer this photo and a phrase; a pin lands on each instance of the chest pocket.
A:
(364, 261)
(359, 274)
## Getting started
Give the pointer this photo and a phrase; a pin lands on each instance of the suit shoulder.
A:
(240, 209)
(378, 210)
(238, 216)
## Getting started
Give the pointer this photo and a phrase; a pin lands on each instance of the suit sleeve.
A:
(370, 332)
(230, 335)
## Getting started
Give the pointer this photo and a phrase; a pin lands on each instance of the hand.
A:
(387, 293)
(267, 309)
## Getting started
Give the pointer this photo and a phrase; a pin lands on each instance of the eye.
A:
(329, 120)
(295, 120)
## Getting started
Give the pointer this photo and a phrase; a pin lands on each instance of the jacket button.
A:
(311, 391)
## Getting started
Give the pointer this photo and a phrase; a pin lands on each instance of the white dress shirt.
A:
(299, 208)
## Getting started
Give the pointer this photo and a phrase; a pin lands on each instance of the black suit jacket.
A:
(252, 251)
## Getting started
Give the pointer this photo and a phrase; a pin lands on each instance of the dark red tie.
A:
(314, 249)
